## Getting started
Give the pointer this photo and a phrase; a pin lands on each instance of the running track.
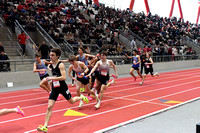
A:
(126, 101)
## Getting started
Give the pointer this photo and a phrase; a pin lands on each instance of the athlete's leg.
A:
(131, 73)
(44, 84)
(103, 87)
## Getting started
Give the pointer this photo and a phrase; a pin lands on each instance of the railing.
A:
(190, 42)
(67, 48)
(1, 22)
(121, 59)
(31, 47)
(27, 64)
(19, 49)
(9, 36)
(47, 37)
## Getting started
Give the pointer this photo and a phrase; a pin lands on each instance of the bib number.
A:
(56, 83)
(134, 61)
(78, 75)
(104, 72)
(148, 66)
(42, 72)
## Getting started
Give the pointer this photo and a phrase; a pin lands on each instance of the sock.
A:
(112, 82)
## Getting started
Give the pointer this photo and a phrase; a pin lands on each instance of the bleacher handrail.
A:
(26, 33)
(40, 27)
(68, 46)
(31, 46)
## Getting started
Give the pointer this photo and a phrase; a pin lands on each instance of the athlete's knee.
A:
(41, 85)
(50, 107)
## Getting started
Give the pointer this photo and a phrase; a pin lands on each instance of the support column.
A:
(131, 5)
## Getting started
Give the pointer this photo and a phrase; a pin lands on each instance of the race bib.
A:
(78, 75)
(147, 66)
(56, 83)
(104, 72)
(42, 72)
(134, 61)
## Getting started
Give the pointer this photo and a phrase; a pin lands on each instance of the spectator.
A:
(87, 50)
(45, 50)
(4, 66)
(22, 42)
(133, 45)
(1, 47)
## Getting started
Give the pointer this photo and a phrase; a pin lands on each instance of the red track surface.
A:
(122, 102)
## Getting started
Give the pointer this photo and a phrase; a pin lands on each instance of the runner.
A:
(17, 110)
(136, 64)
(148, 67)
(104, 66)
(40, 67)
(59, 86)
(80, 69)
(83, 56)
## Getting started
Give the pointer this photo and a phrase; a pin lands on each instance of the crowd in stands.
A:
(64, 21)
(161, 33)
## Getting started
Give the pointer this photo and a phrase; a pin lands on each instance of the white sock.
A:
(112, 81)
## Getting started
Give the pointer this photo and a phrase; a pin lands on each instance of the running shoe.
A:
(135, 79)
(89, 98)
(59, 97)
(114, 82)
(80, 104)
(85, 99)
(82, 89)
(141, 83)
(42, 129)
(72, 85)
(97, 97)
(20, 111)
(97, 105)
(157, 74)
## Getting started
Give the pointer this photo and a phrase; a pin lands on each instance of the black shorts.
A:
(149, 70)
(94, 75)
(84, 81)
(63, 89)
(103, 79)
(44, 76)
(135, 68)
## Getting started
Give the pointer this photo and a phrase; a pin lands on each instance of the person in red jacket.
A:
(22, 41)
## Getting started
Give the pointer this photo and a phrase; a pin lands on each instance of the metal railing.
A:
(67, 48)
(31, 47)
(47, 36)
(27, 64)
(9, 36)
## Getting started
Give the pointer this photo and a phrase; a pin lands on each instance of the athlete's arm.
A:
(82, 65)
(69, 72)
(63, 61)
(138, 60)
(114, 67)
(89, 55)
(37, 70)
(150, 61)
(47, 62)
(128, 56)
(93, 69)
